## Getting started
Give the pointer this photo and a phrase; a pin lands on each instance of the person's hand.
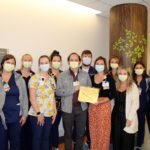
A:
(98, 101)
(40, 121)
(128, 123)
(77, 87)
(102, 100)
(54, 118)
(23, 120)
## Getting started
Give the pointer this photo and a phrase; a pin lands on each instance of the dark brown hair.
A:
(86, 52)
(114, 57)
(74, 54)
(105, 64)
(5, 58)
(43, 56)
(55, 53)
(133, 71)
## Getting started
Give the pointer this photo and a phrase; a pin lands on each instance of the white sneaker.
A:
(137, 148)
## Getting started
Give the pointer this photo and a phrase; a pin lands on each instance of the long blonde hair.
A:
(129, 80)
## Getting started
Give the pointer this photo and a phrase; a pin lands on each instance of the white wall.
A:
(40, 26)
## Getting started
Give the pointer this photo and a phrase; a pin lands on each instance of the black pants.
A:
(87, 131)
(26, 136)
(79, 117)
(54, 135)
(141, 128)
(121, 139)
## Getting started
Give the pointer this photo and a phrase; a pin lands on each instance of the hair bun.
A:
(55, 52)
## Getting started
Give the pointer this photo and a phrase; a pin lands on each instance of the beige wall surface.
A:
(40, 26)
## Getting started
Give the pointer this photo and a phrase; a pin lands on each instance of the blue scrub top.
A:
(11, 107)
(143, 95)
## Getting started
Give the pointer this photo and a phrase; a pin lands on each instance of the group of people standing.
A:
(32, 104)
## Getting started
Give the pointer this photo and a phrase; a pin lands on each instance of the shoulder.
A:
(17, 75)
(35, 76)
(32, 73)
(64, 73)
(110, 78)
(18, 71)
(134, 88)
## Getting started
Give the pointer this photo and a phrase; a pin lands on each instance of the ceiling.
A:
(105, 5)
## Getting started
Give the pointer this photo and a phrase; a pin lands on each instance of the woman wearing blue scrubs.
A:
(13, 104)
(140, 77)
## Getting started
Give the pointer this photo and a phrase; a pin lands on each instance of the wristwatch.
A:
(38, 113)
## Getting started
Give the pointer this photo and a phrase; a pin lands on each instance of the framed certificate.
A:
(88, 94)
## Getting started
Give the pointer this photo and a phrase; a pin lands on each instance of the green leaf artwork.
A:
(131, 44)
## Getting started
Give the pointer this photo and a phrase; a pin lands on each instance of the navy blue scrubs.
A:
(142, 112)
(26, 130)
(11, 111)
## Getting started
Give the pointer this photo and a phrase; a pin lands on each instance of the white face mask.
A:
(44, 67)
(56, 64)
(9, 67)
(73, 64)
(139, 71)
(27, 64)
(122, 77)
(86, 60)
(114, 65)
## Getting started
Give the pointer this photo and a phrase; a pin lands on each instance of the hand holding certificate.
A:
(88, 95)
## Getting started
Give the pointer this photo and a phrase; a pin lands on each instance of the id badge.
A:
(41, 82)
(140, 90)
(105, 85)
(6, 87)
(76, 83)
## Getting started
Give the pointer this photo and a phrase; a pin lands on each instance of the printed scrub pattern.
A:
(44, 95)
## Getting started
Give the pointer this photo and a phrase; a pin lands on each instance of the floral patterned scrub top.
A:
(44, 95)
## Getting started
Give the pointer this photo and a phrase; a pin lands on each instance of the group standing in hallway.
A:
(32, 104)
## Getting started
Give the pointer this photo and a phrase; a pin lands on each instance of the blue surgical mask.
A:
(99, 68)
(86, 60)
(44, 67)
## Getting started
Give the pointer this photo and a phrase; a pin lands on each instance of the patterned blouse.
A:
(45, 95)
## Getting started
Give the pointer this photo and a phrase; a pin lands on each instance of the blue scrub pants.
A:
(11, 135)
(40, 134)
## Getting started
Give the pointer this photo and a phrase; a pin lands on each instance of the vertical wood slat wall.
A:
(127, 16)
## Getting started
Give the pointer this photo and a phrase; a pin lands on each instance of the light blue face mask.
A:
(44, 67)
(86, 60)
(99, 68)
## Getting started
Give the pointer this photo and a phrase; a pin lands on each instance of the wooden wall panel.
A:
(127, 16)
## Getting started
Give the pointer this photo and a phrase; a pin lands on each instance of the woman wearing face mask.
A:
(43, 109)
(68, 86)
(113, 66)
(13, 104)
(26, 72)
(55, 71)
(124, 116)
(141, 79)
(100, 113)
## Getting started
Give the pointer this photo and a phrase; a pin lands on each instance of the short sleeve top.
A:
(45, 95)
